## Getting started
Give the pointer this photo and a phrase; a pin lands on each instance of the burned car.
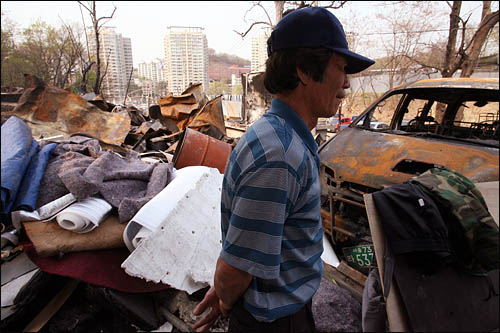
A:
(446, 122)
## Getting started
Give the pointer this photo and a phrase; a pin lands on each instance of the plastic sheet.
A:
(18, 147)
(28, 191)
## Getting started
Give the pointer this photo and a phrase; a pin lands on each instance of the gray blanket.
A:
(80, 166)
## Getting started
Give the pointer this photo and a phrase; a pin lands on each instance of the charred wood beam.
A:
(174, 320)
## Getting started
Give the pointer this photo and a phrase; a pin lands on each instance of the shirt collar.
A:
(283, 110)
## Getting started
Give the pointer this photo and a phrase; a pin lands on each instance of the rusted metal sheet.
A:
(210, 119)
(101, 103)
(180, 107)
(62, 111)
(368, 158)
(149, 125)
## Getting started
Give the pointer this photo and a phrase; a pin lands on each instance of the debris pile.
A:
(94, 195)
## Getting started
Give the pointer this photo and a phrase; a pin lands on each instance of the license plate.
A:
(360, 256)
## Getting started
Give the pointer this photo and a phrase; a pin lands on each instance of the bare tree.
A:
(282, 8)
(407, 25)
(85, 63)
(469, 52)
(97, 23)
(411, 50)
(461, 50)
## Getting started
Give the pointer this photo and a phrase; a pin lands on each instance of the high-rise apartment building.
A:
(116, 62)
(186, 58)
(153, 71)
(127, 53)
(259, 50)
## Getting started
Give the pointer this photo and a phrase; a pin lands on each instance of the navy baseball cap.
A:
(315, 27)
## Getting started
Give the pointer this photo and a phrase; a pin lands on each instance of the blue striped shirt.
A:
(271, 215)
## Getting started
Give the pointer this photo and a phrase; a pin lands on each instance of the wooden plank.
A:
(344, 281)
(174, 320)
(52, 307)
(396, 311)
(357, 276)
(165, 137)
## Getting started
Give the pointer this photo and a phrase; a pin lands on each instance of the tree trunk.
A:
(279, 6)
(98, 56)
(452, 40)
(450, 59)
(83, 84)
(488, 21)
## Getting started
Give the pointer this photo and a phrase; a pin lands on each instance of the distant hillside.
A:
(227, 58)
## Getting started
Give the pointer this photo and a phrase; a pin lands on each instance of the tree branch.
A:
(462, 50)
(265, 12)
(81, 4)
(488, 21)
(421, 64)
(107, 17)
(333, 6)
(243, 34)
(248, 11)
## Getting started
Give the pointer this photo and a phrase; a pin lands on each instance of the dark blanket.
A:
(98, 267)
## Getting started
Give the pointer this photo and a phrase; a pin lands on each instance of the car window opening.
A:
(413, 167)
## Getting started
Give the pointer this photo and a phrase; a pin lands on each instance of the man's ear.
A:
(303, 77)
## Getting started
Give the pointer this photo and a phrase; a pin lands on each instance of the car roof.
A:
(466, 82)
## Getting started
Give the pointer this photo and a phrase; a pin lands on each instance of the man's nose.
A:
(347, 84)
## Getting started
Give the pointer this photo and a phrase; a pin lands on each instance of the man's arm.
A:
(230, 283)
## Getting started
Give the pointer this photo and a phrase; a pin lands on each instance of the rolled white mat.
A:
(44, 213)
(84, 216)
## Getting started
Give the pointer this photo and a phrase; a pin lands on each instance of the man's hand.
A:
(230, 284)
(210, 300)
(224, 308)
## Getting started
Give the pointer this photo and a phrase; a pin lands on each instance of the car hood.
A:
(378, 159)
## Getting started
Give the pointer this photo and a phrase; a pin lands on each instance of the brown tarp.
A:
(50, 239)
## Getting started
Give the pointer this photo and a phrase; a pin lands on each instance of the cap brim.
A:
(355, 62)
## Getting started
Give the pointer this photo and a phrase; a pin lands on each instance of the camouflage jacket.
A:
(473, 234)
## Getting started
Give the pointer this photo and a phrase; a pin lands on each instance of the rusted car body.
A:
(360, 160)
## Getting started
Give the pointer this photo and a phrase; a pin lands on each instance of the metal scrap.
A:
(210, 119)
(56, 113)
(181, 107)
(62, 111)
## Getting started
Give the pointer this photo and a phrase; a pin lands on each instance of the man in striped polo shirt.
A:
(270, 266)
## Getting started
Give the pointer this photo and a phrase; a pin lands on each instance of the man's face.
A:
(326, 96)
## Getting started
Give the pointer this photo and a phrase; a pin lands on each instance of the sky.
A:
(145, 22)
